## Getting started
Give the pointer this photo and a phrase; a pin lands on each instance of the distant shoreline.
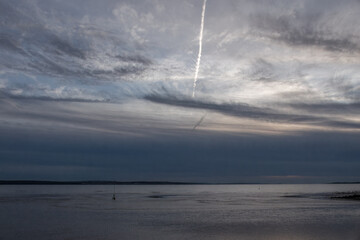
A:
(36, 182)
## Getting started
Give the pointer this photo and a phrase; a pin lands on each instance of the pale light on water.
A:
(178, 212)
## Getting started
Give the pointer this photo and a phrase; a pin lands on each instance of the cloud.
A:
(8, 96)
(247, 111)
(263, 71)
(305, 30)
(103, 88)
(9, 44)
(141, 48)
(61, 51)
(329, 108)
(63, 47)
(134, 58)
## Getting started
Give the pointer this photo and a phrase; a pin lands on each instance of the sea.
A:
(269, 211)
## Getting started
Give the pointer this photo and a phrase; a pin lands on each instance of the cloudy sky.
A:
(102, 90)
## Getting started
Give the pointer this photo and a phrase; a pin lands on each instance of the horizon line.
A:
(115, 182)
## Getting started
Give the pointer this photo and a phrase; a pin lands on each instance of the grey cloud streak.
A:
(307, 28)
(305, 36)
(252, 112)
(8, 97)
(135, 58)
(337, 108)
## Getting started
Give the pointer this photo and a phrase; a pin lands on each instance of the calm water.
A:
(178, 212)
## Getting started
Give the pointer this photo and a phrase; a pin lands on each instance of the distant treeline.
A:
(35, 182)
(345, 183)
(32, 182)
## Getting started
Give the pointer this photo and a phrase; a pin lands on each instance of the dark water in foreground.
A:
(178, 212)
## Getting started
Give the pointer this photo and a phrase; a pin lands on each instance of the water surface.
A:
(178, 212)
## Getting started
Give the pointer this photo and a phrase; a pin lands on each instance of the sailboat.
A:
(114, 197)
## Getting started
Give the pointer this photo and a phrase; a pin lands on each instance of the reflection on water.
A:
(179, 212)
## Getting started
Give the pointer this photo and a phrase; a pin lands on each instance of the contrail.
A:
(200, 121)
(200, 47)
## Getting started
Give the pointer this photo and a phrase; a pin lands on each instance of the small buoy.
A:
(114, 198)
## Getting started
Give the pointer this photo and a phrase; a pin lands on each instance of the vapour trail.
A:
(200, 47)
(200, 121)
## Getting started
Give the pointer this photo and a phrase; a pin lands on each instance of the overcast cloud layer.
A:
(123, 71)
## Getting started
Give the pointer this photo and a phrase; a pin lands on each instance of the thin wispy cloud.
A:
(243, 110)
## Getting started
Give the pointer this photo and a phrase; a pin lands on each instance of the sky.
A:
(103, 90)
